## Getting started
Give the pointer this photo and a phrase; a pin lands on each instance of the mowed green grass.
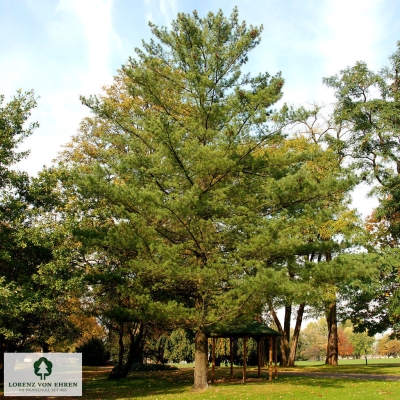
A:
(361, 361)
(169, 385)
(383, 366)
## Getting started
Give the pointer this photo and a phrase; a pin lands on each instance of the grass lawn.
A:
(360, 361)
(169, 385)
(379, 366)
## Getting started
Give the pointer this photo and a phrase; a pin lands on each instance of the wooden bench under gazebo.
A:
(255, 330)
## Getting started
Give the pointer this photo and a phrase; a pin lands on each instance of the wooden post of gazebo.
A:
(244, 357)
(231, 354)
(259, 356)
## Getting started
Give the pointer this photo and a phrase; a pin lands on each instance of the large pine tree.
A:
(186, 159)
(172, 147)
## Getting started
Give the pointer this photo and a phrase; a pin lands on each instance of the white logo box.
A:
(43, 374)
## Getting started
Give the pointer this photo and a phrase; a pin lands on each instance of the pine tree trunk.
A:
(332, 347)
(286, 325)
(284, 342)
(121, 349)
(296, 334)
(200, 360)
(135, 349)
(117, 373)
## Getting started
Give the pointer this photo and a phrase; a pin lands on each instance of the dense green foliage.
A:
(36, 282)
(94, 352)
(367, 108)
(25, 304)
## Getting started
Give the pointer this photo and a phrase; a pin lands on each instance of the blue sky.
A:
(66, 48)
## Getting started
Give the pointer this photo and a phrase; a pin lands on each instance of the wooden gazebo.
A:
(254, 329)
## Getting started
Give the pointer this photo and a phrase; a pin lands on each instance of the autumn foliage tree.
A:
(345, 348)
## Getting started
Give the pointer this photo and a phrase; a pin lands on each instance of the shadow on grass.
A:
(222, 380)
(137, 384)
(164, 383)
(179, 382)
(95, 385)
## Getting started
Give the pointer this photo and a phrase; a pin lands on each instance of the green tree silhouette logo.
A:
(43, 368)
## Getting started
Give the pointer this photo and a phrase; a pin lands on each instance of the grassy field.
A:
(361, 361)
(383, 366)
(170, 385)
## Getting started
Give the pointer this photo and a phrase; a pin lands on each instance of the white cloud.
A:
(83, 33)
(352, 29)
(362, 201)
(96, 21)
(161, 11)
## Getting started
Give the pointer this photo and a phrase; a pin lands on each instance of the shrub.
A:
(93, 352)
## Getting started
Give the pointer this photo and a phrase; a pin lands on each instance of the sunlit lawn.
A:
(176, 384)
(390, 366)
(360, 361)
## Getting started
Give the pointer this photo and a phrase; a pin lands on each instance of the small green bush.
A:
(94, 353)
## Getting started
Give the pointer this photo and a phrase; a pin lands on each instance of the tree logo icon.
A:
(43, 368)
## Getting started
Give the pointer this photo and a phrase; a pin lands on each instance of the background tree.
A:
(313, 337)
(94, 352)
(308, 234)
(342, 233)
(368, 105)
(13, 130)
(393, 348)
(361, 342)
(372, 302)
(345, 348)
(180, 346)
(388, 347)
(36, 279)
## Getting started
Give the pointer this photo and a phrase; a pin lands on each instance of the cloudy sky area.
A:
(66, 48)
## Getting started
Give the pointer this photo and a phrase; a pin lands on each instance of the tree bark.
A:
(287, 345)
(296, 334)
(200, 360)
(135, 349)
(332, 346)
(117, 373)
(286, 325)
(121, 349)
(284, 342)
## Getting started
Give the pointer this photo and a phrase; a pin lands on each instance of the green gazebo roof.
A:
(253, 329)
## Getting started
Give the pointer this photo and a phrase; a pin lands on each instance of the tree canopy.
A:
(367, 108)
